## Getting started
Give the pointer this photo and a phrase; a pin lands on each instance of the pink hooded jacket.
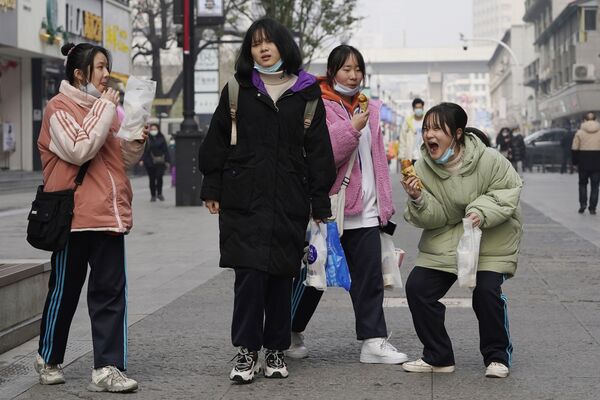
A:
(344, 140)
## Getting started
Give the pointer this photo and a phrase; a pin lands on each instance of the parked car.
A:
(544, 148)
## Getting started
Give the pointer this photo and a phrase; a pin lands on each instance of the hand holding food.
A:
(363, 102)
(408, 170)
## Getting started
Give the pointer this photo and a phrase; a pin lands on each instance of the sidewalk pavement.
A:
(180, 308)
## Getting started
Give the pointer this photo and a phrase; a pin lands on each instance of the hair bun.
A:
(66, 48)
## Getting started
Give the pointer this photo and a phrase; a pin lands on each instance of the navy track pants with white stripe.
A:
(106, 298)
(426, 286)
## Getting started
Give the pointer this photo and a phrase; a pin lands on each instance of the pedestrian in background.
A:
(411, 137)
(156, 160)
(80, 125)
(265, 188)
(586, 155)
(488, 194)
(368, 207)
(504, 143)
(518, 150)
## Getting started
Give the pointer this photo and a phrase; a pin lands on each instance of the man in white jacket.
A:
(411, 135)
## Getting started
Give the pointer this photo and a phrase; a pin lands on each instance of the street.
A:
(180, 311)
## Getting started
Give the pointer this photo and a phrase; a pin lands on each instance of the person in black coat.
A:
(518, 150)
(503, 142)
(265, 188)
(156, 159)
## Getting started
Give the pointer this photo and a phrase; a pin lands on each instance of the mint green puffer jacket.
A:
(487, 185)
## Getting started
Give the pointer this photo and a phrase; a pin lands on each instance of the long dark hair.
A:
(275, 32)
(337, 58)
(81, 57)
(450, 117)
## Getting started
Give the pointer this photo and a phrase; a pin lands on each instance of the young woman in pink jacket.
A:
(80, 126)
(368, 208)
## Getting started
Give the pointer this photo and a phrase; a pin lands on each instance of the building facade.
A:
(509, 97)
(32, 67)
(565, 73)
(491, 18)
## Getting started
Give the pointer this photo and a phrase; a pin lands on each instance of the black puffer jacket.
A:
(265, 185)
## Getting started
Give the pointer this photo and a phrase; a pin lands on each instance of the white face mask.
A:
(153, 132)
(91, 90)
(345, 90)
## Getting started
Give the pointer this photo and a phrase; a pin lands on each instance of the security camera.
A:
(465, 47)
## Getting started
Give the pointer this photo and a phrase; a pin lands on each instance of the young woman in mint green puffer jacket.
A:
(459, 177)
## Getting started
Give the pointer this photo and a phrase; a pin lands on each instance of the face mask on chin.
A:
(447, 155)
(91, 90)
(269, 70)
(345, 90)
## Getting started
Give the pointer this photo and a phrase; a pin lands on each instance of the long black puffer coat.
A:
(266, 186)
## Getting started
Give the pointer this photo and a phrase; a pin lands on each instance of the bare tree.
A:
(317, 23)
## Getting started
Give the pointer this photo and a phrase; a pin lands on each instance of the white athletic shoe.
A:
(297, 348)
(111, 379)
(246, 366)
(49, 374)
(496, 370)
(380, 351)
(275, 366)
(421, 366)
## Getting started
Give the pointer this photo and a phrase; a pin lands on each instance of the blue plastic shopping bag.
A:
(336, 268)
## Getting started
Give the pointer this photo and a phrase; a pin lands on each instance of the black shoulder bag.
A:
(51, 214)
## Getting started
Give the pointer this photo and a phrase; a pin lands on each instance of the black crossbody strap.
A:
(81, 174)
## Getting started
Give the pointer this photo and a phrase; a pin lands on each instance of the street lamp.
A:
(466, 40)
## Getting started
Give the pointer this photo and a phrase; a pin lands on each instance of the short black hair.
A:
(275, 32)
(337, 58)
(590, 116)
(418, 101)
(81, 57)
(446, 116)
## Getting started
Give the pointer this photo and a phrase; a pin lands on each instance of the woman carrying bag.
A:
(266, 174)
(459, 177)
(80, 125)
(156, 159)
(358, 148)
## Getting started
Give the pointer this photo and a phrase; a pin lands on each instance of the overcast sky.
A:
(414, 23)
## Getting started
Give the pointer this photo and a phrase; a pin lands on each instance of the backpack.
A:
(233, 90)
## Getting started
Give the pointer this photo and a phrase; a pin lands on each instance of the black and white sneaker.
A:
(246, 366)
(275, 366)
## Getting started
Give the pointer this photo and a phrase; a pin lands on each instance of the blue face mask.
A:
(447, 155)
(269, 70)
(345, 90)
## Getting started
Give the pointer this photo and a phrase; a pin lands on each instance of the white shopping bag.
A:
(139, 94)
(317, 257)
(467, 254)
(391, 258)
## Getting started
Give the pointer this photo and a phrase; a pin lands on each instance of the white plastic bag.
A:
(391, 258)
(467, 254)
(317, 257)
(139, 94)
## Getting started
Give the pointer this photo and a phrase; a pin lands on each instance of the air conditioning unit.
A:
(583, 73)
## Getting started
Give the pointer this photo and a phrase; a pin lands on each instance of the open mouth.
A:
(265, 58)
(433, 147)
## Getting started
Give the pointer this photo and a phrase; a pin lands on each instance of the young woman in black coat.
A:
(156, 159)
(265, 188)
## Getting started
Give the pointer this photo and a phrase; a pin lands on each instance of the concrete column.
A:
(26, 113)
(435, 87)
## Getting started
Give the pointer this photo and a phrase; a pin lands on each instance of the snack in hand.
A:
(363, 102)
(409, 170)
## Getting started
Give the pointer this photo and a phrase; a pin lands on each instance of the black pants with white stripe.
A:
(426, 286)
(362, 248)
(106, 298)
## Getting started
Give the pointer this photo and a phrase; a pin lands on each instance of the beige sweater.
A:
(277, 84)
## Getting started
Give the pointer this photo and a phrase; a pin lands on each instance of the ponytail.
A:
(482, 136)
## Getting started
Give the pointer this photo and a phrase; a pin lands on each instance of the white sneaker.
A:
(297, 348)
(380, 351)
(49, 374)
(275, 366)
(111, 379)
(496, 370)
(421, 366)
(246, 366)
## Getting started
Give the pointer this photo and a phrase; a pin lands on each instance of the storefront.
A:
(32, 67)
